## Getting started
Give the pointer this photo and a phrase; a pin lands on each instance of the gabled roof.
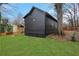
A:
(47, 14)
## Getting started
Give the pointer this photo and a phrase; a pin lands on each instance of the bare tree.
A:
(0, 10)
(59, 7)
(19, 20)
(5, 10)
(71, 10)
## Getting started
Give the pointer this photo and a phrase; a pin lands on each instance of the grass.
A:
(34, 46)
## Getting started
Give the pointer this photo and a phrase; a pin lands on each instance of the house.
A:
(17, 29)
(39, 23)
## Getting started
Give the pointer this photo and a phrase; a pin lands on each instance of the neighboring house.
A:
(17, 29)
(39, 23)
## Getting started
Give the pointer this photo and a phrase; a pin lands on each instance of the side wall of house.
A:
(35, 23)
(51, 26)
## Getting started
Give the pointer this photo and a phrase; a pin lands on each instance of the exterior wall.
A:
(35, 23)
(51, 26)
(15, 28)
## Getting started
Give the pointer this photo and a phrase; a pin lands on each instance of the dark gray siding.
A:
(51, 26)
(35, 23)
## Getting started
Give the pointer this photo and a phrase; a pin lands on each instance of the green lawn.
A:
(35, 46)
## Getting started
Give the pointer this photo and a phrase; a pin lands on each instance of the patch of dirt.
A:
(6, 33)
(68, 35)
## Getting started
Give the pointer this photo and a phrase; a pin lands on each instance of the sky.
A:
(13, 10)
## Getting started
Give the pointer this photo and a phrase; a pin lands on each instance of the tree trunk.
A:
(74, 16)
(59, 18)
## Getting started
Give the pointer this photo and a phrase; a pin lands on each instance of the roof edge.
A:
(40, 10)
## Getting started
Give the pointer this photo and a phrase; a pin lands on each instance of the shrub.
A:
(2, 28)
(73, 38)
(9, 28)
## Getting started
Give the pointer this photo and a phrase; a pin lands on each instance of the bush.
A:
(9, 28)
(73, 38)
(2, 28)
